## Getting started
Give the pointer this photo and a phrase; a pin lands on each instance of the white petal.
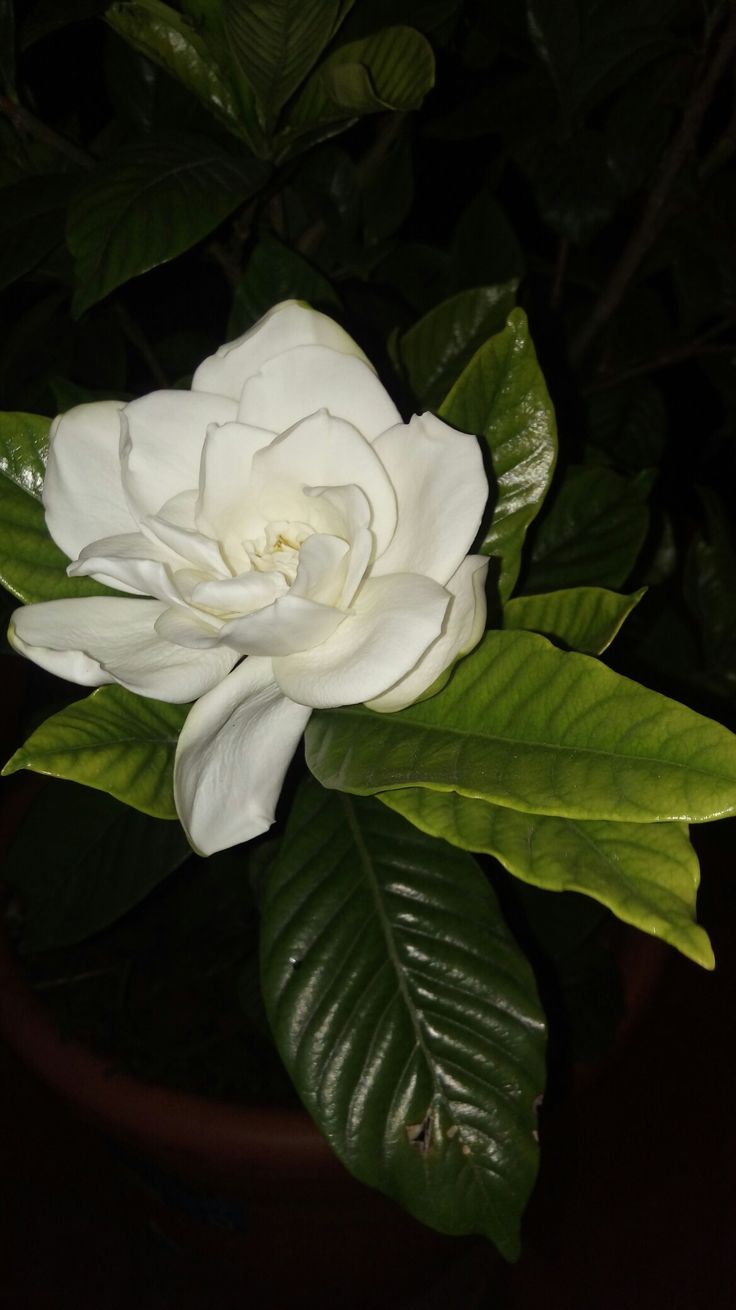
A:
(393, 622)
(131, 563)
(185, 628)
(232, 597)
(285, 326)
(162, 442)
(350, 513)
(83, 492)
(118, 635)
(227, 456)
(321, 569)
(463, 628)
(72, 665)
(300, 382)
(196, 549)
(233, 752)
(290, 624)
(441, 489)
(319, 452)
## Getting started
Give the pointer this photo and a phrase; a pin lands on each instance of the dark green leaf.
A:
(502, 396)
(437, 348)
(646, 873)
(405, 1014)
(592, 531)
(536, 729)
(113, 741)
(31, 566)
(161, 34)
(49, 16)
(274, 273)
(389, 190)
(554, 26)
(148, 204)
(485, 248)
(277, 42)
(628, 424)
(582, 618)
(81, 860)
(393, 69)
(31, 223)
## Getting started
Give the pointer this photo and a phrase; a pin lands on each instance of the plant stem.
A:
(700, 348)
(680, 147)
(139, 340)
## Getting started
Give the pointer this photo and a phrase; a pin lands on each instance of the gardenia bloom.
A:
(279, 511)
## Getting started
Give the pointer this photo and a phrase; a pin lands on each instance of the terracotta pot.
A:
(253, 1188)
(257, 1188)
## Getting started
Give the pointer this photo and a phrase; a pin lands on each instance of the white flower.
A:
(280, 510)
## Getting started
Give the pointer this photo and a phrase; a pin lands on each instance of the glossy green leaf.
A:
(150, 203)
(485, 248)
(81, 860)
(391, 69)
(405, 1013)
(540, 730)
(437, 348)
(161, 34)
(274, 273)
(502, 396)
(278, 42)
(591, 533)
(581, 618)
(113, 741)
(646, 873)
(31, 565)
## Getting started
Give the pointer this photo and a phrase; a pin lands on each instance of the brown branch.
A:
(680, 147)
(139, 340)
(26, 124)
(698, 349)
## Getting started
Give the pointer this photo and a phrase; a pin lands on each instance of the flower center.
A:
(277, 548)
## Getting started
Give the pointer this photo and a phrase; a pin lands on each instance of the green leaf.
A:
(150, 203)
(437, 348)
(273, 273)
(31, 223)
(405, 1014)
(81, 860)
(31, 565)
(391, 69)
(161, 34)
(525, 725)
(113, 741)
(580, 618)
(628, 424)
(485, 249)
(592, 532)
(646, 873)
(277, 42)
(502, 396)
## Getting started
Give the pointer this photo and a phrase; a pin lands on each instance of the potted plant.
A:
(241, 547)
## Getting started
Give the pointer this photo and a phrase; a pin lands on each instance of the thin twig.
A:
(563, 251)
(26, 124)
(139, 340)
(677, 355)
(680, 148)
